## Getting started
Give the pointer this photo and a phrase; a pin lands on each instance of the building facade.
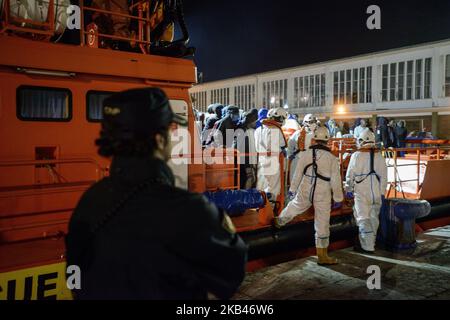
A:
(410, 83)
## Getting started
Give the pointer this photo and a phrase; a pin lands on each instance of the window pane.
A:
(418, 79)
(336, 87)
(95, 104)
(369, 85)
(302, 98)
(49, 104)
(362, 84)
(384, 85)
(285, 91)
(392, 82)
(427, 88)
(348, 93)
(322, 89)
(401, 80)
(355, 86)
(409, 79)
(317, 91)
(254, 96)
(447, 75)
(276, 93)
(307, 96)
(342, 87)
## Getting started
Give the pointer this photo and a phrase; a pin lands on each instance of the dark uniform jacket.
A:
(400, 136)
(164, 242)
(223, 125)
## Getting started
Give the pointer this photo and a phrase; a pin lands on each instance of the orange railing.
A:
(99, 171)
(144, 18)
(417, 155)
(16, 24)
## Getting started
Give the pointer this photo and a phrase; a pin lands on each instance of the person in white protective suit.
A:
(366, 181)
(300, 141)
(318, 180)
(359, 130)
(269, 138)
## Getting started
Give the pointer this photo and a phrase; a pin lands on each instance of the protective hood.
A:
(250, 117)
(262, 113)
(218, 109)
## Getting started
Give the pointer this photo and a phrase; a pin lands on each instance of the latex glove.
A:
(349, 195)
(291, 195)
(336, 205)
(269, 196)
(284, 152)
(292, 157)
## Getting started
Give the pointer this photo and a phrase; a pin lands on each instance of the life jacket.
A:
(372, 169)
(314, 166)
(301, 142)
(290, 127)
(274, 124)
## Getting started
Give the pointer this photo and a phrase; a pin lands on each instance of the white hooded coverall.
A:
(269, 139)
(320, 198)
(367, 193)
(293, 149)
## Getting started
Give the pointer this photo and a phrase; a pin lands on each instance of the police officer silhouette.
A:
(134, 234)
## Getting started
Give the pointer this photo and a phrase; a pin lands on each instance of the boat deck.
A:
(423, 273)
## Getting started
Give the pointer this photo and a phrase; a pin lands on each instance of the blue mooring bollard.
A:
(397, 222)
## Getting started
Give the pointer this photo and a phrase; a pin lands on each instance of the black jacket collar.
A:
(136, 169)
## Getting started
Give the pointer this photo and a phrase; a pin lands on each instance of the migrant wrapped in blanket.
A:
(236, 202)
(397, 222)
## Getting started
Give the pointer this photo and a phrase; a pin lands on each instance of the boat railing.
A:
(58, 179)
(418, 156)
(143, 18)
(139, 12)
(18, 24)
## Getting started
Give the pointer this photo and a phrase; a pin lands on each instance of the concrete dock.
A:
(423, 273)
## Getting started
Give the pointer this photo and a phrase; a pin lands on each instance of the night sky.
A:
(239, 37)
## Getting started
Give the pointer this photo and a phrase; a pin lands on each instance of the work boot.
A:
(358, 248)
(323, 258)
